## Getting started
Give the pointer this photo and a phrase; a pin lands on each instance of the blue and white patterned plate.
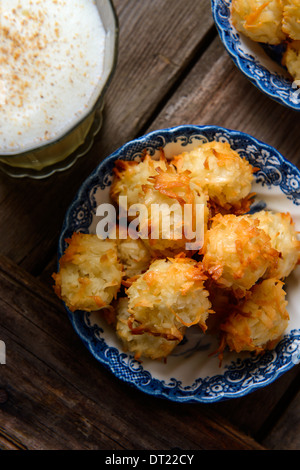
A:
(260, 63)
(191, 373)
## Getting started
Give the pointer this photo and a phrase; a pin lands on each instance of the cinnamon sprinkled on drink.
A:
(47, 64)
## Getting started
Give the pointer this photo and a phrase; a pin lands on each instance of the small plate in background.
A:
(260, 63)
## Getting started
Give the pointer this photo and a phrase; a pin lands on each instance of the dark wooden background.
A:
(172, 69)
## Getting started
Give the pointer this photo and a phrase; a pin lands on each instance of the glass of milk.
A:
(56, 61)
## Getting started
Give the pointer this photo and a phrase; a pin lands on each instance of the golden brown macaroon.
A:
(170, 295)
(291, 19)
(145, 344)
(168, 224)
(291, 59)
(134, 256)
(260, 20)
(130, 176)
(237, 253)
(156, 196)
(220, 171)
(90, 273)
(258, 322)
(284, 238)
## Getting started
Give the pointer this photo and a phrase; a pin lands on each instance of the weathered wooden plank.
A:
(56, 396)
(283, 428)
(31, 212)
(158, 39)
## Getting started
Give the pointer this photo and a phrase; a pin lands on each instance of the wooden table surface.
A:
(172, 69)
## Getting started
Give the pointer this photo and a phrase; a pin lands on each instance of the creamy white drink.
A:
(51, 61)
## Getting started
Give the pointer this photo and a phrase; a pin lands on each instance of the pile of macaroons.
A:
(272, 22)
(152, 290)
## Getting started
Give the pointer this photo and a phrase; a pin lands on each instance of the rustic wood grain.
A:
(56, 396)
(283, 427)
(215, 92)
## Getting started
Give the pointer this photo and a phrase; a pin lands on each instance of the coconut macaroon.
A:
(171, 211)
(291, 19)
(218, 169)
(291, 59)
(284, 238)
(146, 344)
(90, 274)
(170, 295)
(130, 176)
(237, 253)
(176, 214)
(134, 256)
(258, 322)
(259, 20)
